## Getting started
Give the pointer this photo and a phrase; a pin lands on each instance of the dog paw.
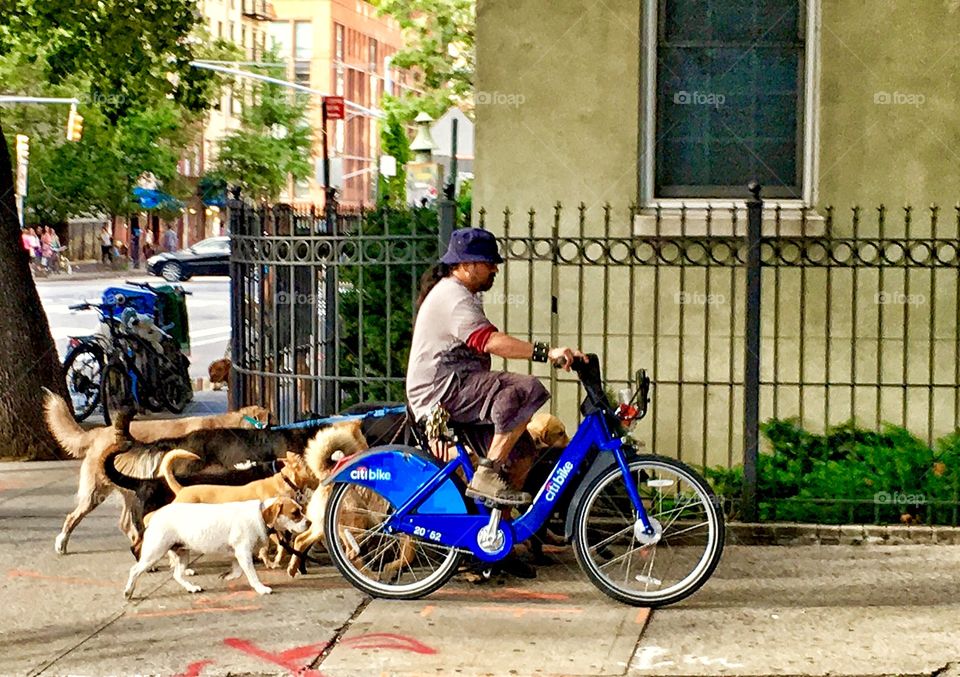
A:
(60, 545)
(263, 590)
(189, 572)
(194, 589)
(128, 593)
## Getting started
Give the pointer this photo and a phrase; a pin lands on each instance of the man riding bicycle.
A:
(450, 359)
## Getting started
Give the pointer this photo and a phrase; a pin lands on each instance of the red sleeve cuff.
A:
(478, 339)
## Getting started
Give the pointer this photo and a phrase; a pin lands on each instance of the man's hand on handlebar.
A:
(562, 358)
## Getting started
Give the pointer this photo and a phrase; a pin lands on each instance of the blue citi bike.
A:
(647, 530)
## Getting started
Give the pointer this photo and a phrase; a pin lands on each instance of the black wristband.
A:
(540, 351)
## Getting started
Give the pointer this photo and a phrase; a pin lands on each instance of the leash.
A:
(328, 420)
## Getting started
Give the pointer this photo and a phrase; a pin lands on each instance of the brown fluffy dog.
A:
(322, 454)
(94, 444)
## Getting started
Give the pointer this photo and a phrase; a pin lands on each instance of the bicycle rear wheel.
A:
(392, 566)
(626, 564)
(116, 390)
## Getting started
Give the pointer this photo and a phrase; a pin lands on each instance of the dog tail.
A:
(74, 439)
(332, 444)
(167, 471)
(117, 477)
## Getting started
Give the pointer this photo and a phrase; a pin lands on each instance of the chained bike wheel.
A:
(628, 565)
(381, 564)
(84, 370)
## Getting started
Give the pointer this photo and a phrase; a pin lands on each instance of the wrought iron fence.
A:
(857, 314)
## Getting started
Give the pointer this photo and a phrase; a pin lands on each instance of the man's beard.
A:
(487, 285)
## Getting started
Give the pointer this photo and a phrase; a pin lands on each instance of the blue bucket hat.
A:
(471, 245)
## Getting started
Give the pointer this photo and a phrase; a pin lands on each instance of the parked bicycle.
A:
(647, 530)
(130, 361)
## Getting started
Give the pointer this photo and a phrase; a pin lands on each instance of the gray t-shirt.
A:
(448, 337)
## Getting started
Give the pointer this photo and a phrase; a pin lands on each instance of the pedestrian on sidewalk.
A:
(148, 244)
(135, 245)
(106, 243)
(170, 243)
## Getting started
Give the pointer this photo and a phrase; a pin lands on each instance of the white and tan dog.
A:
(93, 446)
(237, 529)
(322, 454)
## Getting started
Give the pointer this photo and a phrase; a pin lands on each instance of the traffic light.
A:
(23, 149)
(74, 124)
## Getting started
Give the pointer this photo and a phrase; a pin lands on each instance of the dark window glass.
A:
(729, 97)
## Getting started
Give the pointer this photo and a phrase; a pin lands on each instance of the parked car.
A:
(207, 257)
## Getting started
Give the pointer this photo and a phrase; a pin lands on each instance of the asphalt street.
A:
(208, 308)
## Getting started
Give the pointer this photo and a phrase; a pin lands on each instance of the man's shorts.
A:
(506, 400)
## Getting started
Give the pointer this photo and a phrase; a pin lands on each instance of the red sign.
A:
(333, 106)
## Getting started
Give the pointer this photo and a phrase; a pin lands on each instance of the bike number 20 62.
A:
(423, 533)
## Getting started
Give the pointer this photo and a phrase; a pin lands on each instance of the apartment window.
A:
(301, 73)
(243, 37)
(303, 39)
(219, 29)
(254, 43)
(373, 55)
(338, 32)
(280, 38)
(729, 96)
(301, 188)
(233, 32)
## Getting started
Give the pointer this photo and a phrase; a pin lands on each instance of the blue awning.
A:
(155, 199)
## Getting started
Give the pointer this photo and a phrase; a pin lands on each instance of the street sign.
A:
(388, 165)
(334, 107)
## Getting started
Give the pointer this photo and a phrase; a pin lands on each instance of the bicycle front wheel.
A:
(381, 564)
(632, 567)
(84, 369)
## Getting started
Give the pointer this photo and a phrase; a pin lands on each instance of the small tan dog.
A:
(95, 444)
(290, 482)
(322, 454)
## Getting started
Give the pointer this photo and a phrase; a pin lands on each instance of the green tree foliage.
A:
(96, 174)
(439, 35)
(394, 141)
(273, 142)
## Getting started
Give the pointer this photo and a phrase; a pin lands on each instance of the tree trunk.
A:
(28, 356)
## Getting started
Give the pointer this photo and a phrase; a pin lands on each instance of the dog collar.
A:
(259, 425)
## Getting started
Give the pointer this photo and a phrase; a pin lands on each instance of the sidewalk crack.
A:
(339, 633)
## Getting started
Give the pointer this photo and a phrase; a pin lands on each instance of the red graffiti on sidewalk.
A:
(293, 659)
(388, 640)
(194, 669)
(286, 659)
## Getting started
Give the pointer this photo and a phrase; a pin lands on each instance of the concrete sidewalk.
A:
(812, 610)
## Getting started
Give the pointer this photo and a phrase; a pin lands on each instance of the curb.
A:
(794, 534)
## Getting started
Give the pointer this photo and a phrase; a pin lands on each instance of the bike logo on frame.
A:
(364, 473)
(557, 483)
